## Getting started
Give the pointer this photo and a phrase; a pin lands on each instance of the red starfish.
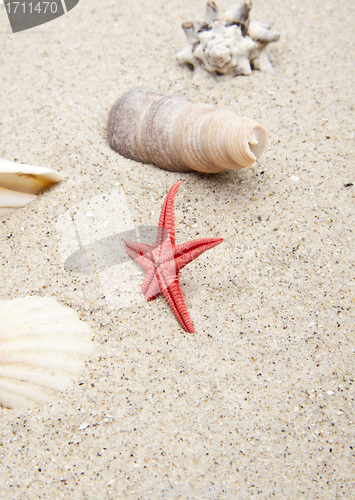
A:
(163, 261)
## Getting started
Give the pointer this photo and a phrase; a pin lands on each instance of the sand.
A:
(259, 402)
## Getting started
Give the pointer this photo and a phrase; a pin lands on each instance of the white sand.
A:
(260, 400)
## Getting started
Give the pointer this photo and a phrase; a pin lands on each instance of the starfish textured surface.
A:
(164, 260)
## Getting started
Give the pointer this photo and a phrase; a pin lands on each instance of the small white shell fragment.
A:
(43, 347)
(14, 199)
(19, 183)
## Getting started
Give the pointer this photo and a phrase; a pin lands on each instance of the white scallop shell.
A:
(19, 183)
(43, 347)
(178, 135)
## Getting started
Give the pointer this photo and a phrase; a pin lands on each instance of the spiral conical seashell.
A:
(181, 136)
(43, 346)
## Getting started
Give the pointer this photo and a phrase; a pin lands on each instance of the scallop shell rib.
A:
(43, 347)
(19, 184)
(178, 135)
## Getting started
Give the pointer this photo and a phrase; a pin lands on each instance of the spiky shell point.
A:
(227, 43)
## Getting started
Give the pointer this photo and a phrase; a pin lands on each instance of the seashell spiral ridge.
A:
(179, 135)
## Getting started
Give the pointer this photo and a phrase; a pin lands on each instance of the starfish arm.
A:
(138, 248)
(150, 286)
(140, 253)
(175, 299)
(167, 217)
(187, 252)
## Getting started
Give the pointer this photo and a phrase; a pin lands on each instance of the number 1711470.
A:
(31, 7)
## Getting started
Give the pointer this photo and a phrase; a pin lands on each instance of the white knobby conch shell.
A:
(228, 42)
(19, 184)
(181, 136)
(43, 346)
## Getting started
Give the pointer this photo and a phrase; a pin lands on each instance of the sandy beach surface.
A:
(259, 402)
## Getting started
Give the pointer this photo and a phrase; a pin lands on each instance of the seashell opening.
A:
(257, 141)
(246, 143)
